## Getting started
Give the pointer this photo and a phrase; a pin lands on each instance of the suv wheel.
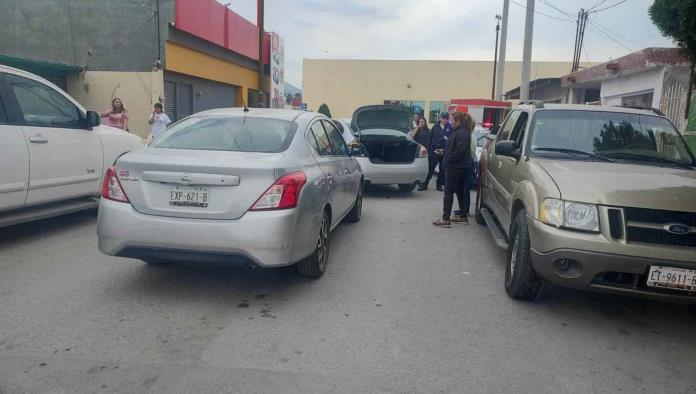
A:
(521, 280)
(479, 205)
(315, 265)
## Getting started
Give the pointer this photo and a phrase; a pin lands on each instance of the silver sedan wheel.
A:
(323, 244)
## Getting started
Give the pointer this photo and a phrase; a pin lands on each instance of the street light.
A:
(495, 57)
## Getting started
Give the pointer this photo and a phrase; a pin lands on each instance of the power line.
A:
(619, 35)
(597, 5)
(601, 30)
(611, 6)
(541, 13)
(556, 8)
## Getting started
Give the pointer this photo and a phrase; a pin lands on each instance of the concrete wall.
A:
(138, 90)
(628, 85)
(345, 85)
(102, 35)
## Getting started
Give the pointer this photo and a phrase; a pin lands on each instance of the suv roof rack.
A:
(654, 110)
(535, 103)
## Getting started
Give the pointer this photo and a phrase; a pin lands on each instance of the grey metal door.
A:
(184, 100)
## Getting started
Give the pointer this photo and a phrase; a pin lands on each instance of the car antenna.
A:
(246, 109)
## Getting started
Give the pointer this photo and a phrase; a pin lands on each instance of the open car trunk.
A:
(390, 151)
(383, 130)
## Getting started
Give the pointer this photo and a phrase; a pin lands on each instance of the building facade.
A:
(188, 55)
(651, 78)
(345, 85)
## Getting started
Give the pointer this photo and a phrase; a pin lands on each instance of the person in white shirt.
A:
(159, 120)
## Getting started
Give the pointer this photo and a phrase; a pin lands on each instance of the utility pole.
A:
(501, 62)
(579, 38)
(527, 51)
(259, 23)
(495, 56)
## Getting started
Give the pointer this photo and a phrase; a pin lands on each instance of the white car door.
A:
(65, 157)
(14, 162)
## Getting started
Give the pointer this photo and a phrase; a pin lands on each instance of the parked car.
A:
(343, 125)
(226, 186)
(592, 198)
(53, 153)
(392, 156)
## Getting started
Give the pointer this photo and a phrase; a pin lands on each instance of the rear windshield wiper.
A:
(575, 152)
(652, 159)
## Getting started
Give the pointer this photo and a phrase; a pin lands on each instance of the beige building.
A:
(345, 85)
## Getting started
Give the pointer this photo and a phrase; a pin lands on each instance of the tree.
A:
(677, 19)
(324, 110)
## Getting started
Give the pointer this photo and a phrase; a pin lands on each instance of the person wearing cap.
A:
(436, 151)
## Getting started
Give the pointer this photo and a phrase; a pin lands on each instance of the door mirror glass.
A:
(92, 119)
(507, 148)
(358, 150)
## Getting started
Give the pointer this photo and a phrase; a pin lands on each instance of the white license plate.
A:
(188, 196)
(672, 278)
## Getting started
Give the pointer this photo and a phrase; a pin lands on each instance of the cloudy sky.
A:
(448, 29)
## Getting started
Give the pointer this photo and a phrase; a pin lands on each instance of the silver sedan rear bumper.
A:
(266, 239)
(392, 174)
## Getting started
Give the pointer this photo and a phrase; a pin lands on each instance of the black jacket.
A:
(437, 138)
(459, 150)
(423, 137)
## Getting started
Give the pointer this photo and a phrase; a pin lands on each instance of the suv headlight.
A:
(569, 214)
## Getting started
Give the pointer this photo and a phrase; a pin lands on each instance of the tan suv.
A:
(592, 198)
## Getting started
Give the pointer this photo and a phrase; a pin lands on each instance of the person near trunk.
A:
(458, 162)
(436, 151)
(421, 134)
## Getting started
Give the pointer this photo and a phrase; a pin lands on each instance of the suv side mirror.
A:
(357, 150)
(507, 148)
(92, 119)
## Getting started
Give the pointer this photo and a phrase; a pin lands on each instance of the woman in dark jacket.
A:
(458, 161)
(421, 134)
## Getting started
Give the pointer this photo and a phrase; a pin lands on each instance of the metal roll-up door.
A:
(170, 100)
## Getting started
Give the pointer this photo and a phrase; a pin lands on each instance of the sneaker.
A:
(442, 223)
(460, 219)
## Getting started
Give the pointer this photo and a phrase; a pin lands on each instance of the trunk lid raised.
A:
(382, 117)
(234, 180)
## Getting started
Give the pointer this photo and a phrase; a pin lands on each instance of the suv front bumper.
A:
(604, 265)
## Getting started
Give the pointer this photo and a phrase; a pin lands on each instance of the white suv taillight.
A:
(423, 152)
(111, 187)
(283, 194)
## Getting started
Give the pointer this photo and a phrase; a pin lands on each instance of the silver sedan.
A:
(260, 187)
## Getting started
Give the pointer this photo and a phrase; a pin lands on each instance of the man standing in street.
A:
(159, 120)
(436, 151)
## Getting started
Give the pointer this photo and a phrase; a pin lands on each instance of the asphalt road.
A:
(404, 307)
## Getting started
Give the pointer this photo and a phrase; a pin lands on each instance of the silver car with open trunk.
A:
(262, 187)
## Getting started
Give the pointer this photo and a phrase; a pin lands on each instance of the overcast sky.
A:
(447, 29)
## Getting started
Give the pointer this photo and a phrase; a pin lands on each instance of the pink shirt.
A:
(116, 119)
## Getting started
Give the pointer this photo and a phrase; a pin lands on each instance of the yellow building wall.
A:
(138, 91)
(345, 85)
(191, 62)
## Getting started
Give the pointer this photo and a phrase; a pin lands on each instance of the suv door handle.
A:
(38, 139)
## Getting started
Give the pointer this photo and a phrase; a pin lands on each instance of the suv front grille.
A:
(648, 226)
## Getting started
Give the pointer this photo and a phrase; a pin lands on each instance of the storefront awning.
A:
(38, 66)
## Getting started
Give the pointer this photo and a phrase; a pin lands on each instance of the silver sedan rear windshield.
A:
(237, 134)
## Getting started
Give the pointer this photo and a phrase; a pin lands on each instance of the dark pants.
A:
(465, 202)
(434, 161)
(455, 183)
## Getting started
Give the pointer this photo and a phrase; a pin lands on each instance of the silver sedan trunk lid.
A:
(199, 184)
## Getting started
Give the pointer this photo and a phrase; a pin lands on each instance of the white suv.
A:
(53, 152)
